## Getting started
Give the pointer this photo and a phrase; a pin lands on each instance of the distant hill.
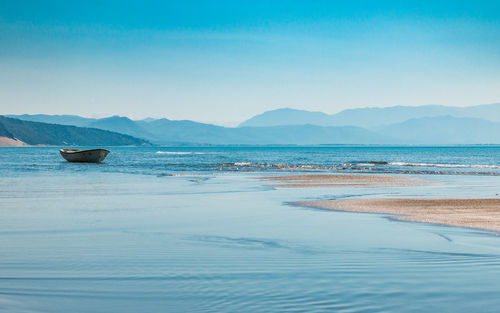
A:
(287, 116)
(169, 132)
(432, 124)
(370, 117)
(312, 135)
(73, 120)
(166, 131)
(444, 130)
(36, 133)
(122, 125)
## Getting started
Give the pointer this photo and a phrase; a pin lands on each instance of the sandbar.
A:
(336, 180)
(473, 213)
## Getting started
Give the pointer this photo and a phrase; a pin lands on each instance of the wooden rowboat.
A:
(87, 156)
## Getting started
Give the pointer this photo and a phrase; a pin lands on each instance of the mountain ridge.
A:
(370, 117)
(449, 129)
(37, 133)
(391, 125)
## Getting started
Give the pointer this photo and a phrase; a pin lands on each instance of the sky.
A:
(225, 61)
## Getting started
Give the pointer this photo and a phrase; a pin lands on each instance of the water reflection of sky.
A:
(103, 242)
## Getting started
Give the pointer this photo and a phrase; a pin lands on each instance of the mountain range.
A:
(371, 117)
(432, 124)
(17, 132)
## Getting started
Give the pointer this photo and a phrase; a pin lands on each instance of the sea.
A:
(194, 229)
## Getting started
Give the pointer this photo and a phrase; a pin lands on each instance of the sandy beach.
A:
(475, 213)
(9, 142)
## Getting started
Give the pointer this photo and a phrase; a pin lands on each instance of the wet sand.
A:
(474, 213)
(300, 181)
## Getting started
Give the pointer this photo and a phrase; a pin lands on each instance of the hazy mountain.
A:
(160, 131)
(311, 135)
(36, 133)
(489, 112)
(118, 124)
(395, 125)
(288, 116)
(167, 131)
(371, 117)
(122, 125)
(73, 120)
(444, 130)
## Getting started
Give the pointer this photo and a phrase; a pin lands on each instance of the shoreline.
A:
(478, 213)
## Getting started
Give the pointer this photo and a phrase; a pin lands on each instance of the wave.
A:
(365, 163)
(371, 167)
(279, 166)
(178, 152)
(444, 165)
(243, 164)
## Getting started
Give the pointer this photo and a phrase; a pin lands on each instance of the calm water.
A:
(193, 230)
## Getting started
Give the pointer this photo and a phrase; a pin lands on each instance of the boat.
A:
(84, 156)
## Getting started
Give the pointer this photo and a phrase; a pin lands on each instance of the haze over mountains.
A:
(167, 132)
(370, 117)
(431, 124)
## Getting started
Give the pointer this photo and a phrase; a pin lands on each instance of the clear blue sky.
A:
(224, 61)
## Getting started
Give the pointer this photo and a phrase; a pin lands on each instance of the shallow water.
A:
(126, 237)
